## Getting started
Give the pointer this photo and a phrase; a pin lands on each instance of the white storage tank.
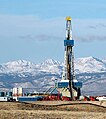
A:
(17, 91)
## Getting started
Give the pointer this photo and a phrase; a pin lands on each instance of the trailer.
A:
(29, 98)
(102, 98)
(4, 99)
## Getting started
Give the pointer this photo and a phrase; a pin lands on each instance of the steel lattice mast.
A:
(69, 58)
(69, 87)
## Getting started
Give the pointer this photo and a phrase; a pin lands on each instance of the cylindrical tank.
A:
(2, 94)
(9, 94)
(17, 92)
(20, 91)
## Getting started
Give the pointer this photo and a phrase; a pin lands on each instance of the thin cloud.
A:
(92, 27)
(41, 37)
(90, 38)
(34, 28)
(88, 30)
(100, 25)
(26, 37)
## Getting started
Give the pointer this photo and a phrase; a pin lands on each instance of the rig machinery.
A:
(69, 86)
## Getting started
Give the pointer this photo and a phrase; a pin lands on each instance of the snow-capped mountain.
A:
(18, 67)
(104, 60)
(50, 62)
(89, 70)
(22, 66)
(82, 65)
(89, 65)
(51, 66)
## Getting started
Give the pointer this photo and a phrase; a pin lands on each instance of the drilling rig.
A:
(69, 86)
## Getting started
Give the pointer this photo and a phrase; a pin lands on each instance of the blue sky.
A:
(35, 30)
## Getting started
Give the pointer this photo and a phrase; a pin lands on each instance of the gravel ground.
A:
(15, 110)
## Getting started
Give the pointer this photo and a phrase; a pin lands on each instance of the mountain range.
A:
(90, 71)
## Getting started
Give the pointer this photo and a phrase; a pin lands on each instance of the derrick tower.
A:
(68, 73)
(69, 86)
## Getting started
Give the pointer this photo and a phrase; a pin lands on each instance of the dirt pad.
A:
(15, 110)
